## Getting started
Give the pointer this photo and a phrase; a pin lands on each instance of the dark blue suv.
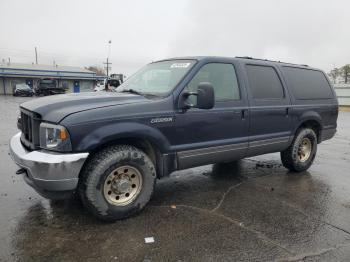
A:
(172, 114)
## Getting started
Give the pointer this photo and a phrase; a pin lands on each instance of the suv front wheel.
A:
(300, 155)
(117, 182)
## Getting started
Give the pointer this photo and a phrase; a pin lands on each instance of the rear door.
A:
(270, 122)
(313, 96)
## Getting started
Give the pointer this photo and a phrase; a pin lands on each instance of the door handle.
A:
(287, 111)
(243, 114)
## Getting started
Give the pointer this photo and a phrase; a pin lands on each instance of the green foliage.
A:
(98, 70)
(334, 74)
(343, 72)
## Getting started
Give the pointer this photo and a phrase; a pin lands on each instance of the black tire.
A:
(290, 158)
(100, 166)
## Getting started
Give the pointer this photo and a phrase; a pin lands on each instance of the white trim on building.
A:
(343, 94)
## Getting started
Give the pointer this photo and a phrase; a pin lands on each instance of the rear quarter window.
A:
(307, 84)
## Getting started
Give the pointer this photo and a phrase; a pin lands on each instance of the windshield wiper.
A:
(132, 91)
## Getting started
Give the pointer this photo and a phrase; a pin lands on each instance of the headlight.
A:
(54, 137)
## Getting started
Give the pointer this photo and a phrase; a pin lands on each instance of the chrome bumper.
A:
(47, 171)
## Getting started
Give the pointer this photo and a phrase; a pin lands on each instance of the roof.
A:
(240, 58)
(34, 70)
(56, 68)
(268, 61)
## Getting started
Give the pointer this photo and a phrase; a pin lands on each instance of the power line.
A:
(29, 57)
(43, 53)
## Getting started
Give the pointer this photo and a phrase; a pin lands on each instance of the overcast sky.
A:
(314, 32)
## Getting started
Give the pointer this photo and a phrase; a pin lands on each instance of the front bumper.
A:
(47, 171)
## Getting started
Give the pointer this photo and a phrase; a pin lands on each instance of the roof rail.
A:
(267, 60)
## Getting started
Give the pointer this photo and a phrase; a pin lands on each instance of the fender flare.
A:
(116, 131)
(308, 116)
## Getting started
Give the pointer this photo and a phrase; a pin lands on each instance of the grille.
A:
(30, 129)
(27, 127)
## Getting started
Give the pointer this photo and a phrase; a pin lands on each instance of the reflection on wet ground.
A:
(252, 209)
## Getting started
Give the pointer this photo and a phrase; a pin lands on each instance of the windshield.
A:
(22, 87)
(157, 78)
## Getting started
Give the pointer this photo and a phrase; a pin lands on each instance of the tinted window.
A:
(307, 84)
(264, 82)
(222, 77)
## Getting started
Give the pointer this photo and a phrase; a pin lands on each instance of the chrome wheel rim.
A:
(122, 185)
(304, 150)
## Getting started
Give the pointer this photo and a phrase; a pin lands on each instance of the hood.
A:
(55, 108)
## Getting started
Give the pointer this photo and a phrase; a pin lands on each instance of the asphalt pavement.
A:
(251, 210)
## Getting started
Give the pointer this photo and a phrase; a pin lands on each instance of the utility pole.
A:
(36, 56)
(108, 63)
(107, 67)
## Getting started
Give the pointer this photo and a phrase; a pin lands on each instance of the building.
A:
(343, 94)
(76, 79)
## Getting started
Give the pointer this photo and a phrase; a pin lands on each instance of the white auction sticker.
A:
(149, 240)
(180, 65)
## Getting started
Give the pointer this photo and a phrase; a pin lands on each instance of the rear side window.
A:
(307, 84)
(264, 82)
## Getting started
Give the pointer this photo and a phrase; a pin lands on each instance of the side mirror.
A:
(205, 97)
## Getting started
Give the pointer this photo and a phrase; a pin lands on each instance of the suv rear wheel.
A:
(300, 155)
(117, 182)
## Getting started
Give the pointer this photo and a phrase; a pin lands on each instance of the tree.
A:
(98, 70)
(334, 74)
(345, 71)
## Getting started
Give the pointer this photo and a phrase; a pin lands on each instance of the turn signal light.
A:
(63, 134)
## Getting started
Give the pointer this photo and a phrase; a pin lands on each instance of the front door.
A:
(270, 121)
(207, 136)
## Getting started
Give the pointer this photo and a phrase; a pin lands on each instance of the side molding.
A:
(210, 155)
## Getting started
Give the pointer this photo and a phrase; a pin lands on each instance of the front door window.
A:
(222, 77)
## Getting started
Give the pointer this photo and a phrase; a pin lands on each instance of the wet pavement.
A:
(252, 210)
